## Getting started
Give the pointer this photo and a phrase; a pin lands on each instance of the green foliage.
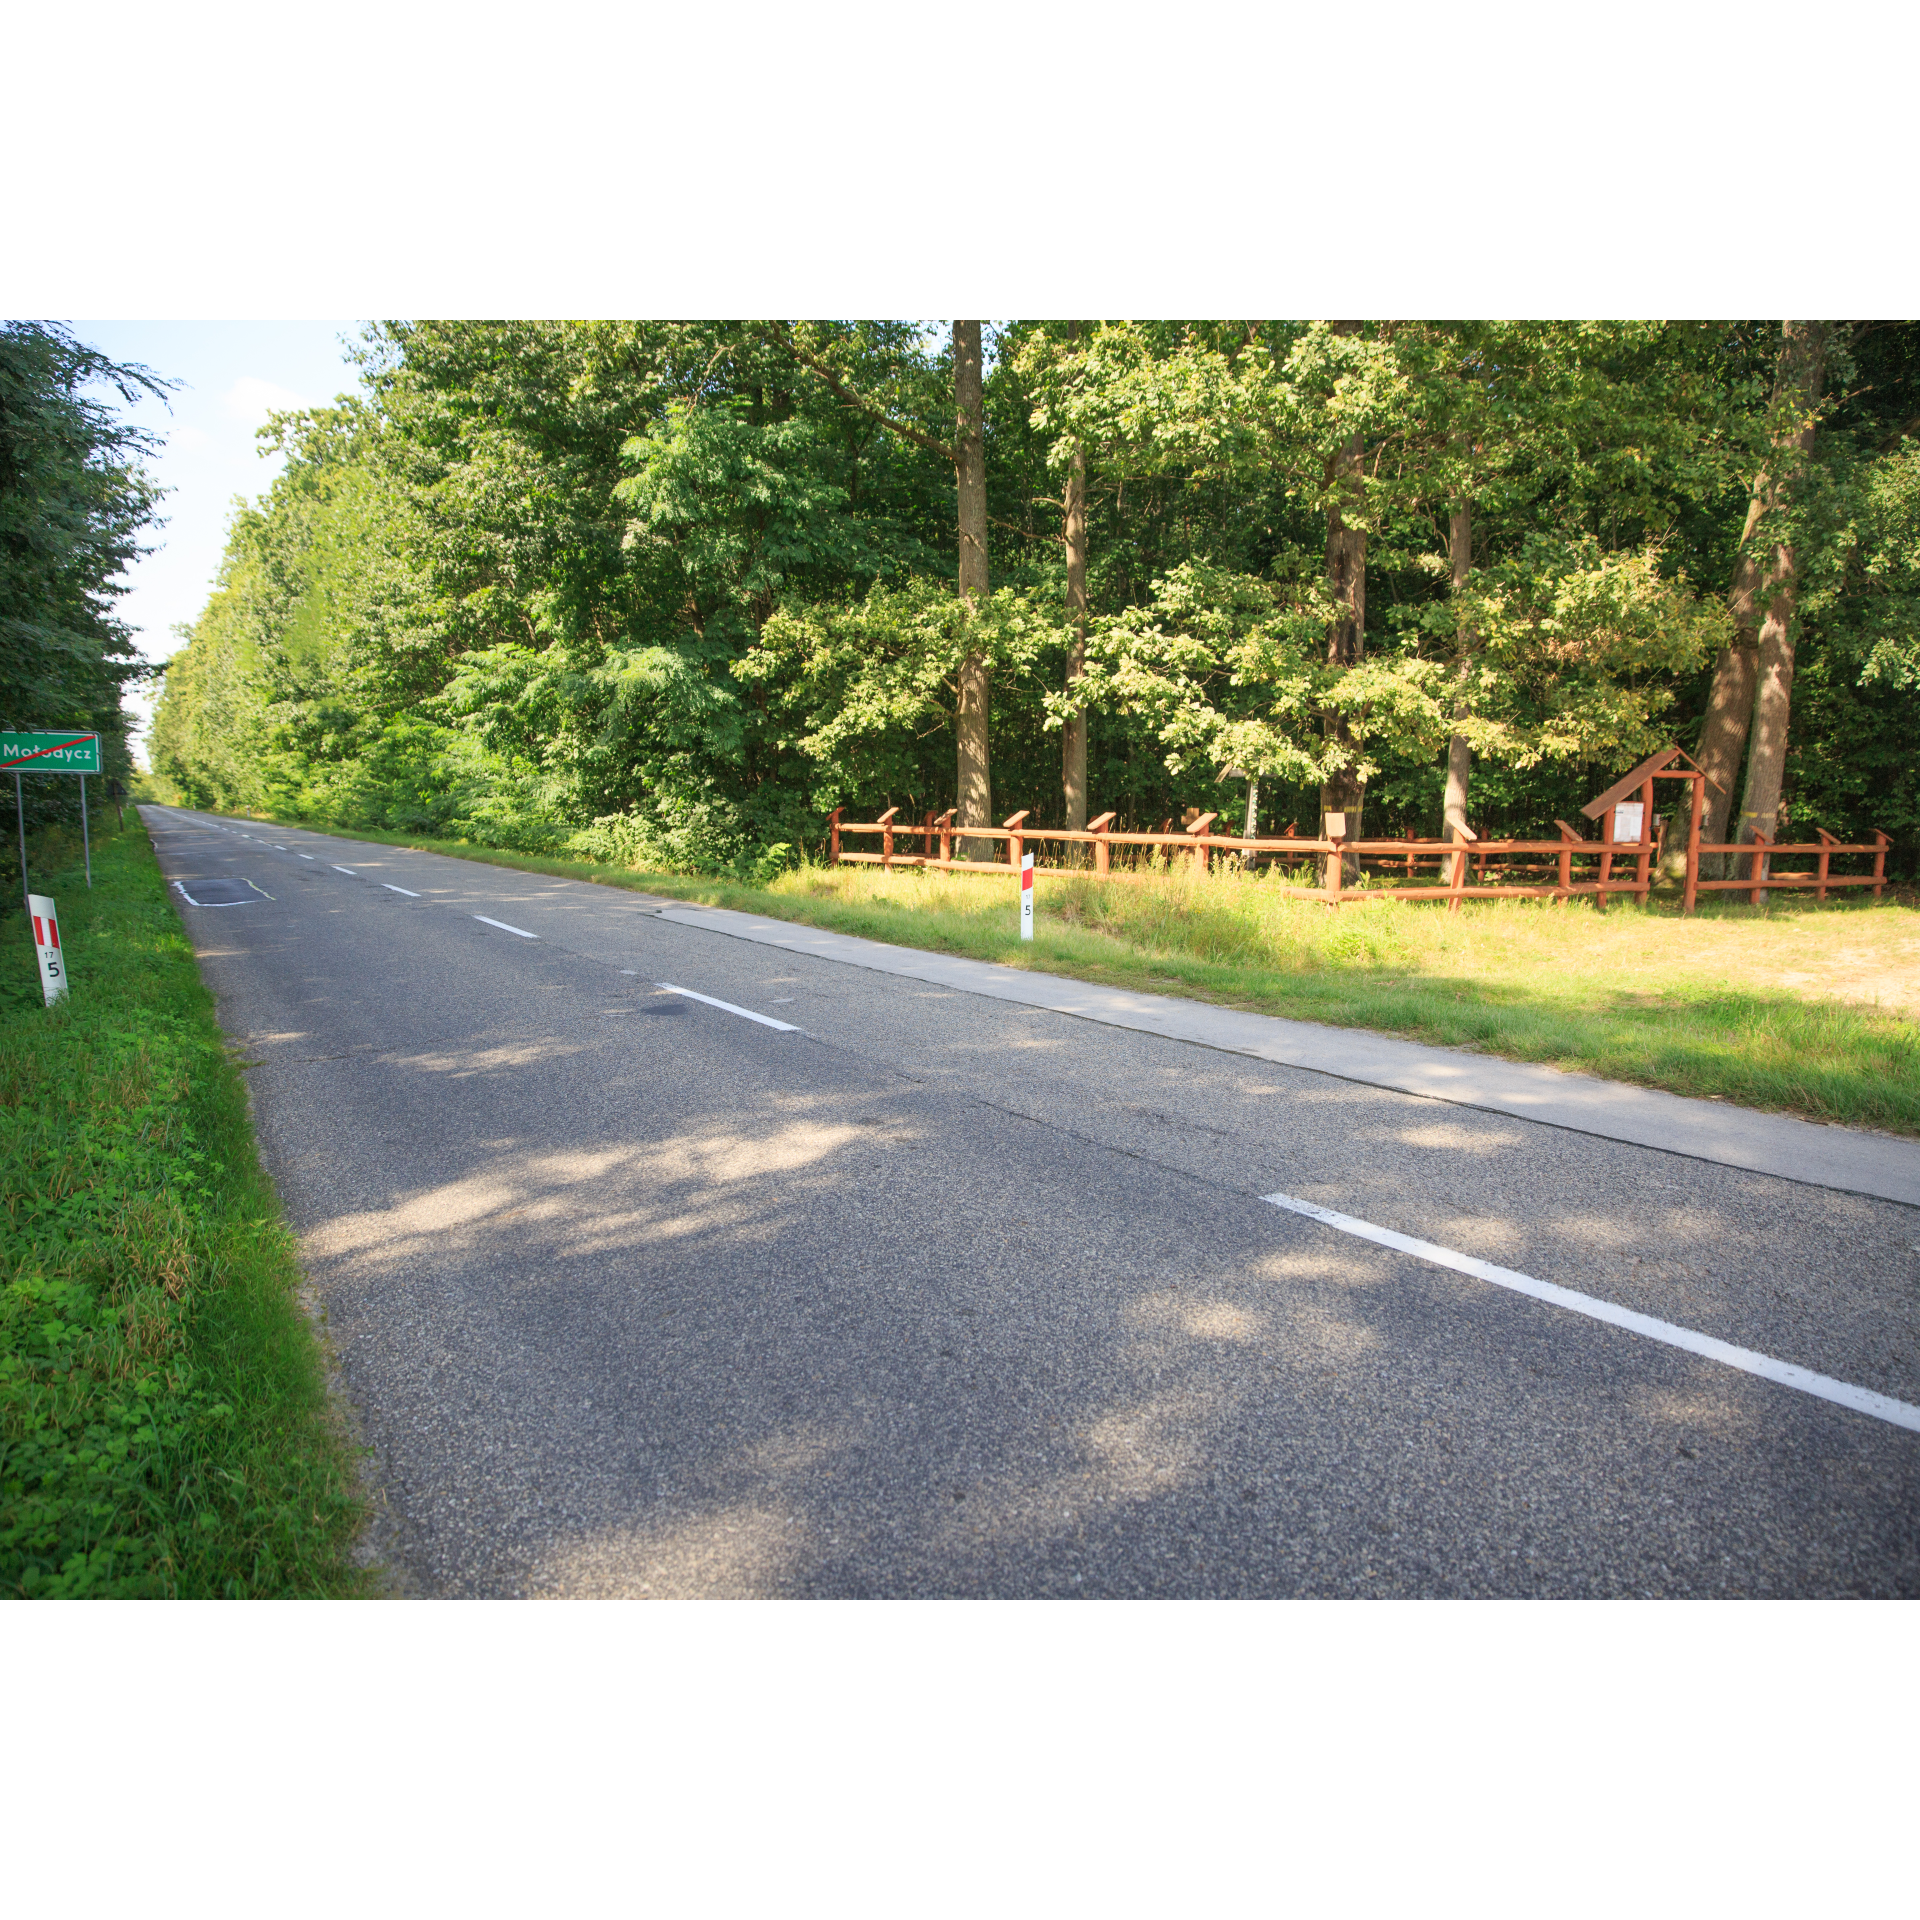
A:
(164, 1429)
(862, 682)
(74, 502)
(672, 591)
(1229, 669)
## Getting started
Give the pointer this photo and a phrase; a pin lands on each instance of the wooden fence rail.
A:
(1462, 867)
(1761, 853)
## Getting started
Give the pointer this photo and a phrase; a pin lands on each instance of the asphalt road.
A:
(942, 1296)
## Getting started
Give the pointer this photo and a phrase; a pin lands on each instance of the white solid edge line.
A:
(727, 1006)
(184, 894)
(1784, 1373)
(348, 871)
(502, 925)
(391, 888)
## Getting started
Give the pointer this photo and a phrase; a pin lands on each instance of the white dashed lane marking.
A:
(1783, 1372)
(504, 928)
(727, 1006)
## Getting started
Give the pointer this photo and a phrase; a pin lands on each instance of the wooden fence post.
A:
(1459, 878)
(1017, 845)
(1693, 842)
(1101, 847)
(945, 824)
(1643, 866)
(1757, 869)
(1881, 844)
(833, 842)
(886, 838)
(1200, 829)
(926, 836)
(1826, 841)
(1568, 841)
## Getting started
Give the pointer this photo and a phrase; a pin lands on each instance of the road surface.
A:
(899, 1290)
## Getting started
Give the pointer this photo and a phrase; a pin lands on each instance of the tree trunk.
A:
(1723, 733)
(1803, 353)
(1453, 807)
(1073, 751)
(1345, 792)
(975, 790)
(1723, 742)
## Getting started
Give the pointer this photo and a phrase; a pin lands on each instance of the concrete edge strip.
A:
(1784, 1373)
(1840, 1159)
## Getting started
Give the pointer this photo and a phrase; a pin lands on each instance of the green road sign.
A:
(49, 753)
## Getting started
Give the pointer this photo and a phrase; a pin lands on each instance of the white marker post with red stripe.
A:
(1026, 896)
(46, 940)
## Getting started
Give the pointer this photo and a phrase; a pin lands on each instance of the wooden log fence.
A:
(1464, 868)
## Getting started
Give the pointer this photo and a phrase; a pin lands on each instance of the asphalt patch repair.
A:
(220, 893)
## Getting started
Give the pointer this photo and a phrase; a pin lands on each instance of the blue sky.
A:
(232, 374)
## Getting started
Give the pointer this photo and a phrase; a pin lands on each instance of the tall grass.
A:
(164, 1423)
(1630, 994)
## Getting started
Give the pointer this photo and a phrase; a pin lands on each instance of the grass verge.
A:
(164, 1423)
(1789, 1008)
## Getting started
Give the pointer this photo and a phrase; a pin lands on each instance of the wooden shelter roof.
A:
(1645, 771)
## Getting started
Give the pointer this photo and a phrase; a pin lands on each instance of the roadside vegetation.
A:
(648, 600)
(1789, 1007)
(164, 1422)
(667, 593)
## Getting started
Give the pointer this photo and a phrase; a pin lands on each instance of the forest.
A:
(671, 592)
(76, 502)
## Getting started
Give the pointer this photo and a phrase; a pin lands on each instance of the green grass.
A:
(1790, 1008)
(164, 1423)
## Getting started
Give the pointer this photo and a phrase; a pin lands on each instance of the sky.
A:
(232, 374)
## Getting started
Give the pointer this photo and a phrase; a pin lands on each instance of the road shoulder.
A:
(1846, 1159)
